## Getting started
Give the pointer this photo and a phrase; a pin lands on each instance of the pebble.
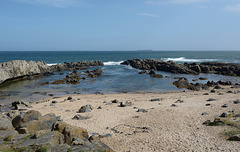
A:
(53, 104)
(206, 94)
(221, 94)
(204, 113)
(236, 101)
(208, 104)
(211, 99)
(115, 101)
(179, 101)
(173, 105)
(156, 99)
(99, 107)
(213, 91)
(142, 110)
(225, 114)
(54, 101)
(225, 106)
(69, 98)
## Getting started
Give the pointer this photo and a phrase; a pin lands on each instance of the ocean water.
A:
(116, 78)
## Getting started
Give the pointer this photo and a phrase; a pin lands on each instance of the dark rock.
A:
(99, 107)
(211, 99)
(54, 101)
(225, 106)
(236, 101)
(204, 113)
(182, 83)
(229, 92)
(213, 91)
(79, 117)
(202, 78)
(115, 101)
(179, 101)
(69, 98)
(234, 138)
(208, 104)
(221, 94)
(142, 110)
(173, 105)
(205, 94)
(86, 108)
(225, 114)
(156, 99)
(217, 87)
(125, 103)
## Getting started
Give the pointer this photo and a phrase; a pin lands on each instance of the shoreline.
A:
(163, 127)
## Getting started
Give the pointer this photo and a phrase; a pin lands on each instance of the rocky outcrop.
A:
(229, 69)
(159, 65)
(81, 65)
(34, 132)
(20, 69)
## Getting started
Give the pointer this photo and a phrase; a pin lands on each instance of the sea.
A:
(116, 78)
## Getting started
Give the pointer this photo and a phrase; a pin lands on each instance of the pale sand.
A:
(171, 128)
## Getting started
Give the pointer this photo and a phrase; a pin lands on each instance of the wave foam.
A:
(52, 64)
(183, 59)
(112, 63)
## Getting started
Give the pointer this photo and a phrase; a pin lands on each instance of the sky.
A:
(51, 25)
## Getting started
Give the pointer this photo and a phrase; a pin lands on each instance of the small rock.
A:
(225, 114)
(205, 94)
(236, 101)
(67, 110)
(99, 107)
(235, 138)
(156, 99)
(221, 94)
(79, 117)
(125, 103)
(213, 91)
(237, 115)
(179, 101)
(86, 108)
(208, 104)
(173, 105)
(217, 87)
(78, 98)
(229, 92)
(115, 101)
(54, 101)
(211, 99)
(142, 110)
(204, 113)
(134, 107)
(69, 98)
(225, 106)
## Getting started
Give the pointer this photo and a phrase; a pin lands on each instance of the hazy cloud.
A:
(148, 14)
(173, 1)
(54, 3)
(233, 8)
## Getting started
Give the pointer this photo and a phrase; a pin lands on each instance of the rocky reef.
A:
(81, 65)
(229, 69)
(20, 69)
(30, 131)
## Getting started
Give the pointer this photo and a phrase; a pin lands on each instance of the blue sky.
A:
(119, 25)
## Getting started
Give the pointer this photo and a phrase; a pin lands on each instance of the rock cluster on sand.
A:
(230, 69)
(33, 132)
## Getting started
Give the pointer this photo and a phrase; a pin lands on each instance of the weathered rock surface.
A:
(230, 69)
(81, 65)
(183, 83)
(44, 133)
(20, 68)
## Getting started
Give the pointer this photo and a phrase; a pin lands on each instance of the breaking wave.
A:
(183, 59)
(112, 63)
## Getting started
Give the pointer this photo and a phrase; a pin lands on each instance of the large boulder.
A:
(182, 83)
(70, 132)
(20, 68)
(45, 122)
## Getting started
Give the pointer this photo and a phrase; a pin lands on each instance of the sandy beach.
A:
(164, 127)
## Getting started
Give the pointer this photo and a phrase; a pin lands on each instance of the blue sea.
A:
(116, 78)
